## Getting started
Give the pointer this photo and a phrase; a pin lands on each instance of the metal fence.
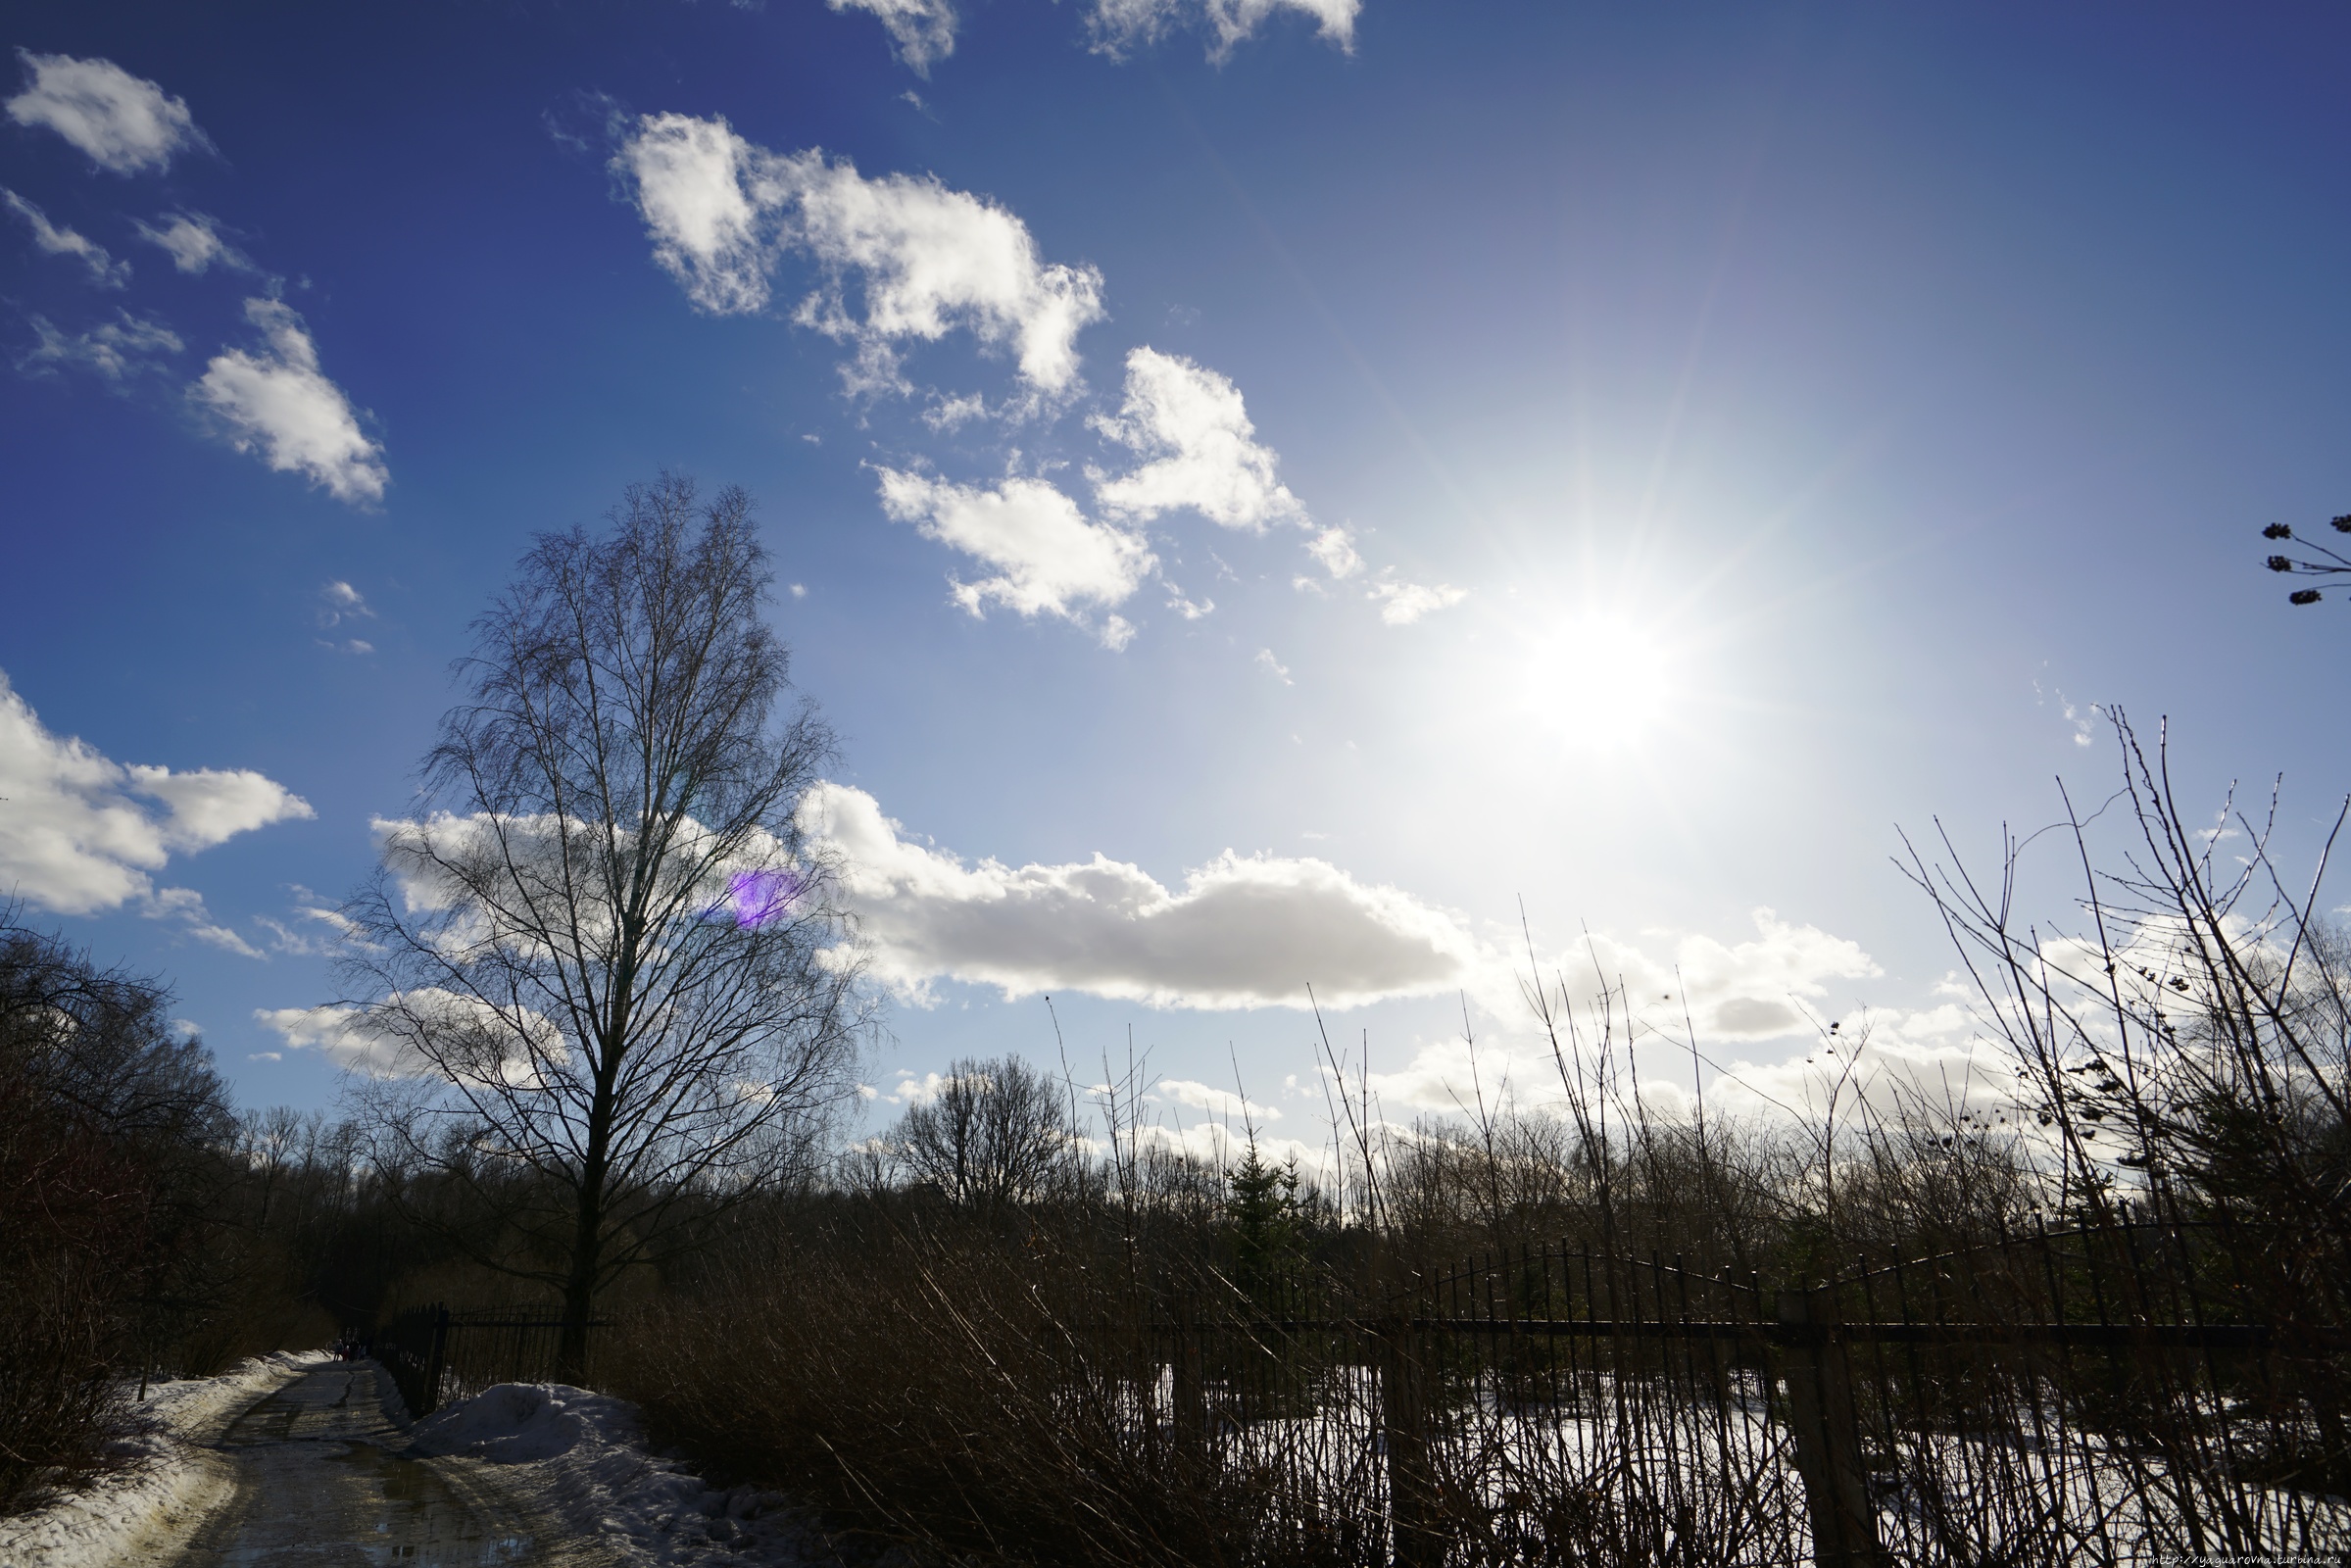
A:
(436, 1357)
(2095, 1396)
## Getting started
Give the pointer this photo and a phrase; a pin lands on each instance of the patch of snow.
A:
(171, 1484)
(583, 1458)
(199, 1410)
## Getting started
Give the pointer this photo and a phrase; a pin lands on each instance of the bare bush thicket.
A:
(2174, 1081)
(108, 1188)
(973, 1381)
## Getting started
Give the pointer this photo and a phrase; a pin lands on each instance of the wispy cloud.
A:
(113, 350)
(1122, 25)
(184, 908)
(339, 602)
(2085, 717)
(1189, 608)
(105, 271)
(320, 933)
(1669, 989)
(904, 260)
(193, 242)
(922, 33)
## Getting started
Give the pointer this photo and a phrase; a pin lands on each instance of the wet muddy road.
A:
(321, 1484)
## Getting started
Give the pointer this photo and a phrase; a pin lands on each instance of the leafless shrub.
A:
(2185, 1050)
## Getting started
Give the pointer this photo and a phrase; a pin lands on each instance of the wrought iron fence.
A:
(2093, 1396)
(436, 1357)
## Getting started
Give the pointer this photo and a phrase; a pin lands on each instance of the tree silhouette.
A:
(996, 1133)
(603, 970)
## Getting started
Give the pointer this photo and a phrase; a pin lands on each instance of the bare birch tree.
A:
(996, 1133)
(602, 970)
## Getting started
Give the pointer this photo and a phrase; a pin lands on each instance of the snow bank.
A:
(582, 1456)
(171, 1483)
(200, 1409)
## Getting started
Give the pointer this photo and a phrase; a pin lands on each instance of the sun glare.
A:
(1598, 680)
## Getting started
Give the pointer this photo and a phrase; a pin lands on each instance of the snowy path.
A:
(318, 1486)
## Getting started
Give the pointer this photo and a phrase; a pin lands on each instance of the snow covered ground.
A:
(581, 1458)
(578, 1459)
(142, 1511)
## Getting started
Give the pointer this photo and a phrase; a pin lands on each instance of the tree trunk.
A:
(587, 1243)
(579, 1290)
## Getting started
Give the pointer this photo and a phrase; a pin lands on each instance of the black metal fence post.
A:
(1828, 1437)
(437, 1361)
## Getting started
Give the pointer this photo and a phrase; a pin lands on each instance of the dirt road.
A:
(321, 1484)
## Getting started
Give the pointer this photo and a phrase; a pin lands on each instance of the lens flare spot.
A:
(756, 898)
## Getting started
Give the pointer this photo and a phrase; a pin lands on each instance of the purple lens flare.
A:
(758, 897)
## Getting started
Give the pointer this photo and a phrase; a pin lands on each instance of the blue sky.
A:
(1352, 468)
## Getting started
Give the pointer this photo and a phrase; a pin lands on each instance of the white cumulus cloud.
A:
(1119, 26)
(705, 194)
(105, 271)
(1334, 547)
(80, 832)
(279, 403)
(1225, 1103)
(193, 243)
(1665, 988)
(123, 123)
(1891, 1062)
(114, 350)
(1747, 990)
(901, 257)
(1200, 451)
(1047, 558)
(381, 1041)
(1242, 931)
(923, 31)
(344, 1036)
(1404, 603)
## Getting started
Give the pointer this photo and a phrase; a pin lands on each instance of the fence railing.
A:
(436, 1357)
(2099, 1395)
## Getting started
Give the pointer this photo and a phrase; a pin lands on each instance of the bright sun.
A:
(1598, 680)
